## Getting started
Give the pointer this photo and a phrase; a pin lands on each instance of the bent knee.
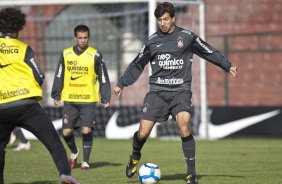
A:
(142, 135)
(67, 132)
(85, 130)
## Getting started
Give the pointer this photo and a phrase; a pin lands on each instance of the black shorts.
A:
(76, 115)
(158, 106)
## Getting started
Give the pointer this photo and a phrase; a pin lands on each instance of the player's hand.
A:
(233, 71)
(117, 91)
(57, 102)
(107, 104)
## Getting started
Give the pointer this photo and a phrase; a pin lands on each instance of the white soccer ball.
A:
(149, 173)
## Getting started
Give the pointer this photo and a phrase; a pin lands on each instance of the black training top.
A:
(170, 56)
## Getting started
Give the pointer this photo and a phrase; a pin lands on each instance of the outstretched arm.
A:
(209, 53)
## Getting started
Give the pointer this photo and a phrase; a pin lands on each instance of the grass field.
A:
(227, 161)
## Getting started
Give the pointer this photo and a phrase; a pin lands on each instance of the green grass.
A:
(227, 161)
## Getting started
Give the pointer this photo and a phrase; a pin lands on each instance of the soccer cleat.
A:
(23, 147)
(68, 179)
(191, 179)
(131, 168)
(73, 159)
(85, 166)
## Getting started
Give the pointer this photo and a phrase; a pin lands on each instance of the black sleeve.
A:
(135, 68)
(29, 60)
(209, 53)
(58, 82)
(103, 78)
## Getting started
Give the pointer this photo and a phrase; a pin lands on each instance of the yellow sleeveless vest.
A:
(80, 80)
(16, 77)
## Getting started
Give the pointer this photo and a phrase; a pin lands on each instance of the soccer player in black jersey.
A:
(170, 53)
(19, 92)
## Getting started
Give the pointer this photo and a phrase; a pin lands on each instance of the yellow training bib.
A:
(80, 80)
(16, 77)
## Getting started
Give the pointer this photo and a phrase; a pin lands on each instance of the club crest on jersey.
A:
(65, 120)
(145, 108)
(180, 42)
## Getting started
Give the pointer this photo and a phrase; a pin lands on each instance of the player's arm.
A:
(134, 70)
(103, 78)
(58, 82)
(29, 60)
(209, 53)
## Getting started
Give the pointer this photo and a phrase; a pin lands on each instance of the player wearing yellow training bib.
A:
(81, 79)
(20, 81)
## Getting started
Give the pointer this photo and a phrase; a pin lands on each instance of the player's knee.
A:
(143, 135)
(67, 132)
(85, 130)
(184, 130)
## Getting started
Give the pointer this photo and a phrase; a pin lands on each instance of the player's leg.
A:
(36, 121)
(13, 138)
(141, 136)
(139, 139)
(24, 143)
(3, 144)
(87, 141)
(70, 115)
(154, 109)
(87, 115)
(182, 113)
(6, 127)
(70, 141)
(188, 144)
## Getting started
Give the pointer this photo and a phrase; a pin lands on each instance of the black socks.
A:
(71, 143)
(188, 146)
(87, 146)
(137, 146)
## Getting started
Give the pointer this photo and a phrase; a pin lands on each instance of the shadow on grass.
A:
(183, 176)
(94, 165)
(103, 164)
(37, 182)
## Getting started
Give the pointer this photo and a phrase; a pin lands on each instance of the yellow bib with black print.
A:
(80, 80)
(17, 79)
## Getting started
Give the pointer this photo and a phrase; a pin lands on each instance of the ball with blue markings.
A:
(149, 173)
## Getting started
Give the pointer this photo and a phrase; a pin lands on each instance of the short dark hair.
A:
(81, 28)
(163, 8)
(12, 20)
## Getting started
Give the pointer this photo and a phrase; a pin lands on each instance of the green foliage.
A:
(227, 161)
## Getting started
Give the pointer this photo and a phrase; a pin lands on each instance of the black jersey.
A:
(170, 56)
